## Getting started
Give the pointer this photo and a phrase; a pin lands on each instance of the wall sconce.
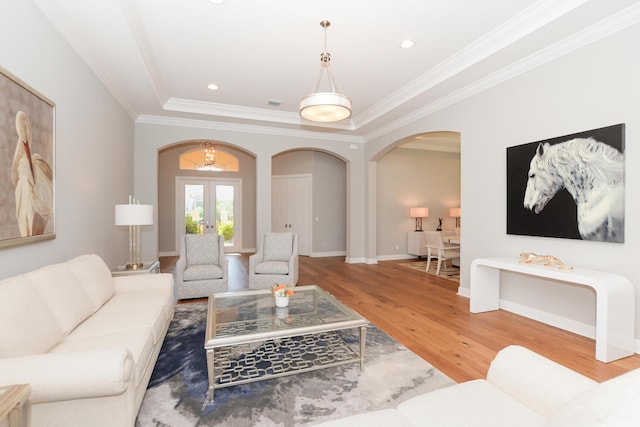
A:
(455, 213)
(418, 214)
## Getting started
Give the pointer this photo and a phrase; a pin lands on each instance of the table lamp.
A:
(134, 215)
(418, 214)
(455, 213)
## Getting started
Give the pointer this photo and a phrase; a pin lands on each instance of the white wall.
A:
(94, 143)
(589, 88)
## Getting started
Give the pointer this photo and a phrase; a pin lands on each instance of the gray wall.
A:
(329, 196)
(93, 148)
(169, 168)
(409, 178)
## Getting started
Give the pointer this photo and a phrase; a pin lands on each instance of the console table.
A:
(615, 299)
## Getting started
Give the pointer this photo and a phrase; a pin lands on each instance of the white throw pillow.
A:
(615, 402)
(27, 325)
(94, 277)
(277, 246)
(62, 292)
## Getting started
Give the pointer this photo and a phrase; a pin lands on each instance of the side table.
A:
(415, 243)
(151, 267)
(15, 407)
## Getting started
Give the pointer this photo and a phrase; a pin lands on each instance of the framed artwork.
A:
(27, 164)
(570, 186)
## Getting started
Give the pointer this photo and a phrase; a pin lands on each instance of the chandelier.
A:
(325, 106)
(209, 153)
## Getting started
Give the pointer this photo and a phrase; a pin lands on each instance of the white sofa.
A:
(522, 389)
(85, 342)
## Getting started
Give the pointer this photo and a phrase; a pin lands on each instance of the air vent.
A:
(274, 102)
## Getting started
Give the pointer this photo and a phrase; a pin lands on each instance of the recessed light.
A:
(213, 86)
(216, 1)
(406, 44)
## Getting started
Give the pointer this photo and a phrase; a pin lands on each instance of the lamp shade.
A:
(455, 212)
(419, 212)
(134, 214)
(325, 107)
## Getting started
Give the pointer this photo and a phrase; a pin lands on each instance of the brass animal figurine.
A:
(547, 260)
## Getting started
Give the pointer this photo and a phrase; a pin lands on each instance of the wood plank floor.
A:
(424, 313)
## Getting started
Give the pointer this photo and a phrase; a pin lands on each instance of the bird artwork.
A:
(32, 178)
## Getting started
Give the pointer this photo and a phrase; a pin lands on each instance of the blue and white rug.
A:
(179, 384)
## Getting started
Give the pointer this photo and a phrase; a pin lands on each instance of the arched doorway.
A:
(220, 196)
(320, 217)
(420, 170)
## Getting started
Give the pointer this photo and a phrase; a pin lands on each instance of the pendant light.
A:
(325, 106)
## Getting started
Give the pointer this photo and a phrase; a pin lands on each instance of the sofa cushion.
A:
(94, 277)
(272, 267)
(202, 272)
(104, 323)
(277, 246)
(483, 405)
(28, 327)
(201, 249)
(64, 295)
(615, 402)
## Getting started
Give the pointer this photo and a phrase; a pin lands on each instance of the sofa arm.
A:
(66, 376)
(539, 383)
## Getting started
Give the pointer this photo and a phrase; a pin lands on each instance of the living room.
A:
(103, 154)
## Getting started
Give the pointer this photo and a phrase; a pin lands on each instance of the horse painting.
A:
(593, 173)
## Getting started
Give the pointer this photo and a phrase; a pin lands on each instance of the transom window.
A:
(194, 159)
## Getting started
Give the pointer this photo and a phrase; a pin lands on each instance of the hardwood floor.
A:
(425, 314)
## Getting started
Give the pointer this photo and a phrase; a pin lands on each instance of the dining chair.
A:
(438, 249)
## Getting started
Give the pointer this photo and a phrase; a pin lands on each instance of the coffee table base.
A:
(245, 363)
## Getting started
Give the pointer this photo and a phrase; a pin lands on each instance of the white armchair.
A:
(275, 261)
(438, 249)
(203, 268)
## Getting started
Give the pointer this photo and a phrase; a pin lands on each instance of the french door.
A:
(291, 207)
(210, 205)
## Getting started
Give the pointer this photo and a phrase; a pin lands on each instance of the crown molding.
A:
(521, 25)
(591, 34)
(249, 113)
(246, 128)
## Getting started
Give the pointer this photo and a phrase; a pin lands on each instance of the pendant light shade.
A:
(325, 106)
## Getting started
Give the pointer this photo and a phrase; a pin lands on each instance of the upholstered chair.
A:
(438, 249)
(275, 261)
(203, 268)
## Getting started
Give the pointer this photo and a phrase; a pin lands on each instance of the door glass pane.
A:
(194, 209)
(224, 212)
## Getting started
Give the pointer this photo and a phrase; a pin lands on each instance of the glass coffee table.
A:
(249, 339)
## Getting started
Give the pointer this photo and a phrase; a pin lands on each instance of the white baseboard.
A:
(349, 260)
(464, 292)
(327, 254)
(579, 328)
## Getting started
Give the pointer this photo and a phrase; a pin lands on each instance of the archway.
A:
(419, 170)
(169, 171)
(324, 232)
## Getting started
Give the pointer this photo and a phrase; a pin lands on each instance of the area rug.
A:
(449, 272)
(176, 393)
